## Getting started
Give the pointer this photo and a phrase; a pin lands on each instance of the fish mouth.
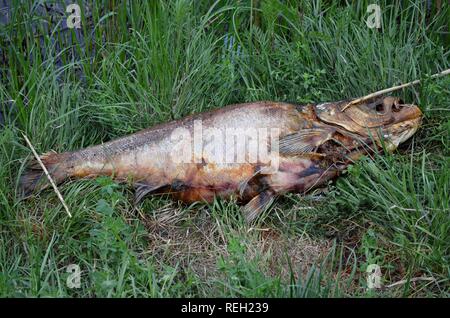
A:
(405, 129)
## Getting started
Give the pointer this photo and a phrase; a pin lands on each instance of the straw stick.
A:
(60, 197)
(391, 89)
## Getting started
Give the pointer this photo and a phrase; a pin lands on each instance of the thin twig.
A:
(60, 197)
(391, 89)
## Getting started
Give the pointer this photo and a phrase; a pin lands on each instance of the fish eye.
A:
(379, 108)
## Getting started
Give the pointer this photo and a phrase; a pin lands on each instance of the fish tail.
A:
(34, 178)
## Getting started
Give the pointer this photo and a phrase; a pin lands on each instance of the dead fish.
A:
(253, 152)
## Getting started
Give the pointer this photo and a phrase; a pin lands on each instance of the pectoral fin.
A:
(257, 205)
(304, 141)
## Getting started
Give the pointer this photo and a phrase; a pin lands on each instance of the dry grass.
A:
(196, 241)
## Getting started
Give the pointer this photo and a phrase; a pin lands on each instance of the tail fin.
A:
(34, 178)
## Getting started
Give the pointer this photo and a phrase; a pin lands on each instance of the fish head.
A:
(385, 118)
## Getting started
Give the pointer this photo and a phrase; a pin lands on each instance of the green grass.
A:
(151, 62)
